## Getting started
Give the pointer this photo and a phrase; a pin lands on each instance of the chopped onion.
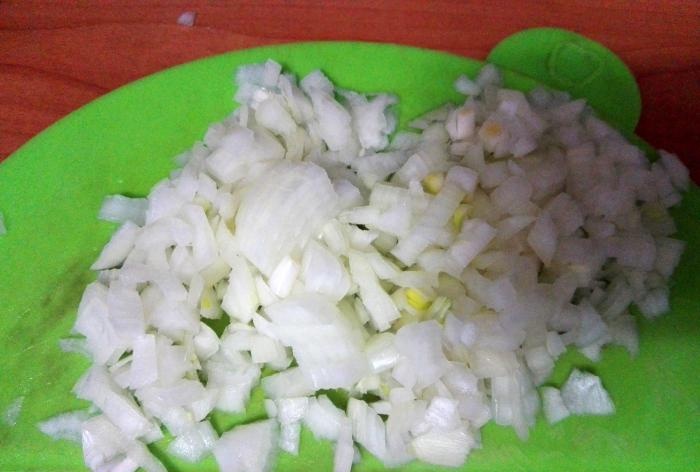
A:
(583, 394)
(443, 448)
(324, 419)
(247, 448)
(65, 426)
(553, 405)
(120, 209)
(194, 443)
(440, 272)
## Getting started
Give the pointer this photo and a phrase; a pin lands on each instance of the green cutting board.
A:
(52, 188)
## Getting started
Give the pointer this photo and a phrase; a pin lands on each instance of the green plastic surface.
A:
(52, 188)
(568, 61)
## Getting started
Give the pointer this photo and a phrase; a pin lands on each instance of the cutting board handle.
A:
(567, 61)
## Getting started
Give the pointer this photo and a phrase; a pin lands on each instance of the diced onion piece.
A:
(118, 248)
(368, 428)
(120, 209)
(65, 426)
(195, 443)
(325, 420)
(241, 298)
(283, 277)
(448, 448)
(247, 448)
(583, 394)
(281, 211)
(380, 306)
(553, 405)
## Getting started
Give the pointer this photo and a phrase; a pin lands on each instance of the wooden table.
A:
(55, 56)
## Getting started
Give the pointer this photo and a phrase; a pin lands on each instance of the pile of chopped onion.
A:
(434, 275)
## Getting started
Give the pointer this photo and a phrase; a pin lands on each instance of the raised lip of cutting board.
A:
(565, 60)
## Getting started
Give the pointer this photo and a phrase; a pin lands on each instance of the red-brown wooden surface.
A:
(56, 56)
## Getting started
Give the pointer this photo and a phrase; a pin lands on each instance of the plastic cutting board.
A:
(52, 188)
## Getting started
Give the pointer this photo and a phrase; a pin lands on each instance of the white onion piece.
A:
(420, 344)
(332, 119)
(677, 171)
(381, 352)
(271, 114)
(195, 443)
(144, 366)
(466, 86)
(233, 382)
(118, 247)
(105, 446)
(281, 211)
(380, 306)
(443, 448)
(323, 272)
(290, 383)
(553, 405)
(206, 342)
(120, 209)
(344, 454)
(291, 410)
(240, 149)
(247, 448)
(65, 426)
(371, 119)
(283, 277)
(241, 298)
(543, 238)
(583, 394)
(335, 359)
(290, 434)
(324, 420)
(368, 428)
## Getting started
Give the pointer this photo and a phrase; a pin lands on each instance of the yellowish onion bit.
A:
(434, 277)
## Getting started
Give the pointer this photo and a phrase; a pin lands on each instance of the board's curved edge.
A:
(565, 60)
